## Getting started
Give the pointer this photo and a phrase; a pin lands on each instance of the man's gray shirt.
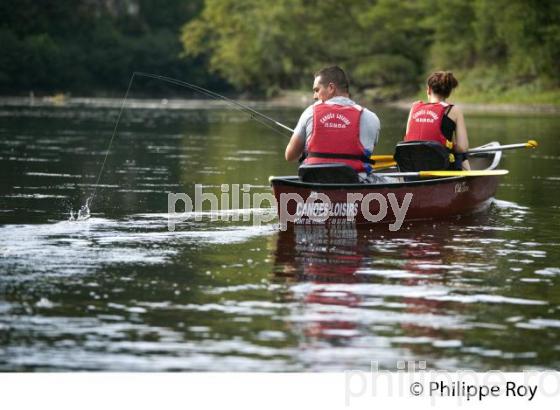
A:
(369, 123)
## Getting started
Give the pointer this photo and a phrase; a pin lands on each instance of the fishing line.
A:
(111, 140)
(255, 115)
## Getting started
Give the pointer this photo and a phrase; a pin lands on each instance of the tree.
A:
(502, 43)
(92, 47)
(259, 44)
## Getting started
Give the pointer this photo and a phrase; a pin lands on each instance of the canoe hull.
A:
(300, 203)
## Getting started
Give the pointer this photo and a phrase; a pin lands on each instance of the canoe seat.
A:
(412, 156)
(328, 174)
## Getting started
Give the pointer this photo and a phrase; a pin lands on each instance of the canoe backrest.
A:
(415, 156)
(328, 174)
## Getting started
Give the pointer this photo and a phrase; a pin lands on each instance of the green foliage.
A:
(383, 44)
(498, 46)
(259, 44)
(248, 42)
(453, 35)
(387, 47)
(89, 47)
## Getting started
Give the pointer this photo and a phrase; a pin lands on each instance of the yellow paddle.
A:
(426, 174)
(528, 144)
(382, 164)
(388, 161)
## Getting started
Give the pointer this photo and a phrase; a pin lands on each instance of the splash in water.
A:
(82, 214)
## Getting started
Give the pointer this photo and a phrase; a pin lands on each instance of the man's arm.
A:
(294, 148)
(370, 127)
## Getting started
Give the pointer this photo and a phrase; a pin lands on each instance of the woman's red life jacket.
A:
(336, 136)
(425, 122)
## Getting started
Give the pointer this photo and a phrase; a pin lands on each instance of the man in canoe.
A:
(436, 120)
(335, 129)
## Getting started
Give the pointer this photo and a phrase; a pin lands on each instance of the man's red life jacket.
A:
(336, 136)
(425, 123)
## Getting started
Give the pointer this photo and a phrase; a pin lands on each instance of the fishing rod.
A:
(213, 94)
(256, 115)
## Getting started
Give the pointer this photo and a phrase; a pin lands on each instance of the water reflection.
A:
(322, 255)
(378, 295)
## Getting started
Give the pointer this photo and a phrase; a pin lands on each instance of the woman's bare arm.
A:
(408, 121)
(461, 139)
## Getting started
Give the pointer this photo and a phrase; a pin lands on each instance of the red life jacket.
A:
(425, 123)
(336, 136)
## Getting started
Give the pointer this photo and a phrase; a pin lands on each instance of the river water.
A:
(121, 292)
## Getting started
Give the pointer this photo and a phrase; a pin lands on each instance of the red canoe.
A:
(328, 204)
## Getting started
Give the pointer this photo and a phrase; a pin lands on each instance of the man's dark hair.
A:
(335, 75)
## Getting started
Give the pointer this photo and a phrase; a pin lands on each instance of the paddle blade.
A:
(475, 173)
(382, 158)
(532, 144)
(384, 164)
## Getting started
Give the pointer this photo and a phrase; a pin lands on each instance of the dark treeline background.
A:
(91, 47)
(499, 49)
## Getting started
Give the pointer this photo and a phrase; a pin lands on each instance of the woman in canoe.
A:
(436, 120)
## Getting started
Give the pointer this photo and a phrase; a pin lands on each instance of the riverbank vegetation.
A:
(501, 50)
(91, 47)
